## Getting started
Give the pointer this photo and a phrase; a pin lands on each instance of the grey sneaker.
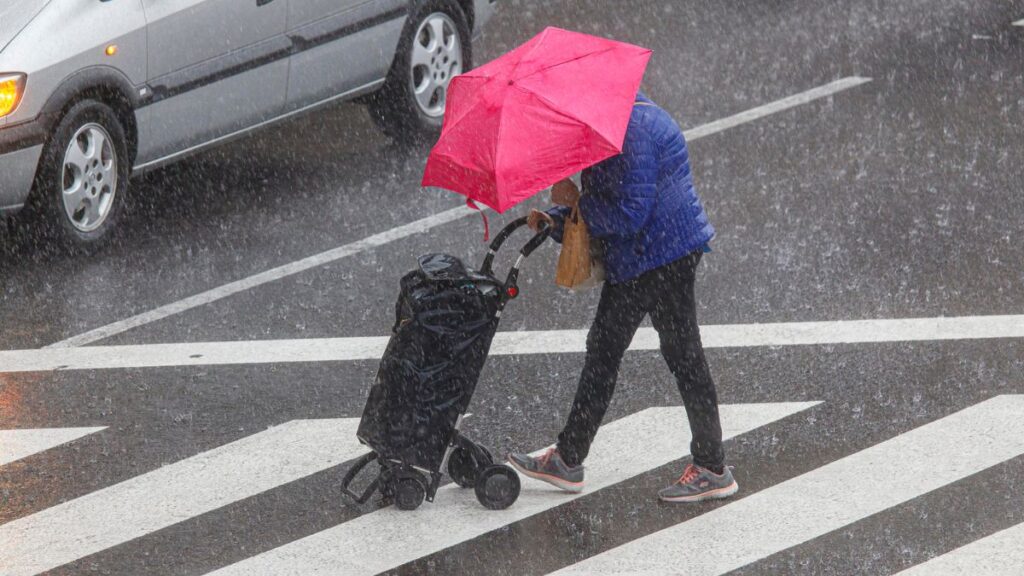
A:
(697, 484)
(549, 467)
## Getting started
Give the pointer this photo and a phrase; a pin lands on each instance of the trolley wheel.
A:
(464, 468)
(410, 492)
(497, 487)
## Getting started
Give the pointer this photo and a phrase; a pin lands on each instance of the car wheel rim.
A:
(89, 178)
(436, 58)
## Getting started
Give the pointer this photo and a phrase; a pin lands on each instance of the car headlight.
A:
(11, 89)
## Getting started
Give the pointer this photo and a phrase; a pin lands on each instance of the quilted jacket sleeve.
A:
(623, 189)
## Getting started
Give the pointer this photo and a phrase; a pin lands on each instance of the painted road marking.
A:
(265, 277)
(508, 343)
(416, 227)
(776, 107)
(1001, 554)
(17, 444)
(1019, 23)
(828, 498)
(389, 538)
(174, 493)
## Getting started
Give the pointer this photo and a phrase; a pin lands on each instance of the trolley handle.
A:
(507, 231)
(536, 241)
(504, 235)
(512, 280)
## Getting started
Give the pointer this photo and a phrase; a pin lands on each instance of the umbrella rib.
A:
(557, 64)
(465, 115)
(543, 35)
(494, 154)
(457, 121)
(456, 162)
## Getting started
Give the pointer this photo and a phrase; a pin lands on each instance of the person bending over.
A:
(642, 206)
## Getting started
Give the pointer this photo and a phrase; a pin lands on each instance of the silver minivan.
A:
(95, 91)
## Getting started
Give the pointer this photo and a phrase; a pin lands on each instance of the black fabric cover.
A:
(445, 320)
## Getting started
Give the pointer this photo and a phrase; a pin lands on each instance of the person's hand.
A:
(536, 217)
(565, 193)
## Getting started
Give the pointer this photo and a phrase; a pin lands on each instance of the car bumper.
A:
(20, 148)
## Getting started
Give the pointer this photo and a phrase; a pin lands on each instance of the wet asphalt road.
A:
(900, 198)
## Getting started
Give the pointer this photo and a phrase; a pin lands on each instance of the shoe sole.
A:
(716, 494)
(574, 487)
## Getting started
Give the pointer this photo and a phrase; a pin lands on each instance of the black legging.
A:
(667, 294)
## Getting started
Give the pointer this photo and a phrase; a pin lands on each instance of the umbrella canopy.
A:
(555, 105)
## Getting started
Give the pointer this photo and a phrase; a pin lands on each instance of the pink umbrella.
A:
(555, 105)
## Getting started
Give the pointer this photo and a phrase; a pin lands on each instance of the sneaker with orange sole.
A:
(549, 467)
(698, 484)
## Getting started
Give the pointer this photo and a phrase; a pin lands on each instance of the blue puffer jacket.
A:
(642, 204)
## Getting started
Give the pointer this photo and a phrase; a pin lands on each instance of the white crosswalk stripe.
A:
(174, 493)
(509, 343)
(19, 443)
(389, 538)
(828, 498)
(754, 527)
(1001, 554)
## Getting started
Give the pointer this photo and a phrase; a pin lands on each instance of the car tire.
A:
(410, 105)
(80, 185)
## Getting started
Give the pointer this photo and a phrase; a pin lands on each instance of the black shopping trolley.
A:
(445, 319)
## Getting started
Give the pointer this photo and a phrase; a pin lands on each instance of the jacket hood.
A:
(14, 16)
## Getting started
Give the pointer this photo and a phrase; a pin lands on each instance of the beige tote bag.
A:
(577, 267)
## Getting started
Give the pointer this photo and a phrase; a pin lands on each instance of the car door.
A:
(215, 67)
(340, 45)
